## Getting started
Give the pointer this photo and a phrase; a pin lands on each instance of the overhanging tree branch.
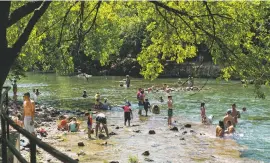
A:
(30, 25)
(21, 12)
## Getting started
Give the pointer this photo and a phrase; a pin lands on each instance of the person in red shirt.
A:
(89, 124)
(63, 125)
(127, 113)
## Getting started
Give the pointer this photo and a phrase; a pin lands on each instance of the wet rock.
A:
(148, 160)
(174, 129)
(38, 109)
(192, 131)
(146, 153)
(48, 119)
(68, 150)
(114, 162)
(182, 128)
(112, 125)
(182, 138)
(101, 136)
(104, 143)
(80, 144)
(202, 134)
(49, 160)
(112, 133)
(188, 125)
(135, 125)
(152, 132)
(117, 127)
(137, 131)
(81, 153)
(184, 132)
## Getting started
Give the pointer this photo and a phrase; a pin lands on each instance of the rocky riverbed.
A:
(147, 140)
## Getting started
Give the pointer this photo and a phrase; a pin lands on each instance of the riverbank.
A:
(195, 144)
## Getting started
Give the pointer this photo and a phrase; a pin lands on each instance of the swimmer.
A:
(84, 94)
(161, 99)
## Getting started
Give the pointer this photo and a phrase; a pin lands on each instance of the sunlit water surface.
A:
(252, 130)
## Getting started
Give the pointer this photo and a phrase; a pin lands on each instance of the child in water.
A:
(127, 113)
(89, 124)
(146, 106)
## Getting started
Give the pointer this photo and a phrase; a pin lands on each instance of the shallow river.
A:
(252, 131)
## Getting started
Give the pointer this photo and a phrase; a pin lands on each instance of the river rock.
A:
(117, 127)
(137, 131)
(152, 132)
(112, 133)
(81, 153)
(114, 162)
(146, 153)
(80, 144)
(184, 132)
(38, 109)
(182, 138)
(188, 125)
(101, 136)
(148, 160)
(174, 129)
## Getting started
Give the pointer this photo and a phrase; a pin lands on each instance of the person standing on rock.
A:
(127, 81)
(101, 119)
(28, 113)
(14, 85)
(170, 110)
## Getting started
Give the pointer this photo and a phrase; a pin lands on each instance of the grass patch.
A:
(133, 159)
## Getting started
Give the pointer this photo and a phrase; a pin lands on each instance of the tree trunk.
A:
(6, 59)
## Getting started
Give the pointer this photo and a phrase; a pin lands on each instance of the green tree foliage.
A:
(236, 33)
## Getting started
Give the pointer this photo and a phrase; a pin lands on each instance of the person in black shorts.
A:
(101, 119)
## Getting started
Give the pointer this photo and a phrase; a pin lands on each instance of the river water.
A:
(252, 130)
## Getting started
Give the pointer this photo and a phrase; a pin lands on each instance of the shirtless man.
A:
(227, 118)
(28, 113)
(234, 113)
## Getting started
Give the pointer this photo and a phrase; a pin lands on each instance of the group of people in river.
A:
(71, 124)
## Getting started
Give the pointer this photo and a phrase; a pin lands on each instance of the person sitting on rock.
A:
(220, 129)
(63, 125)
(17, 120)
(101, 120)
(73, 125)
(230, 129)
(84, 94)
(146, 106)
